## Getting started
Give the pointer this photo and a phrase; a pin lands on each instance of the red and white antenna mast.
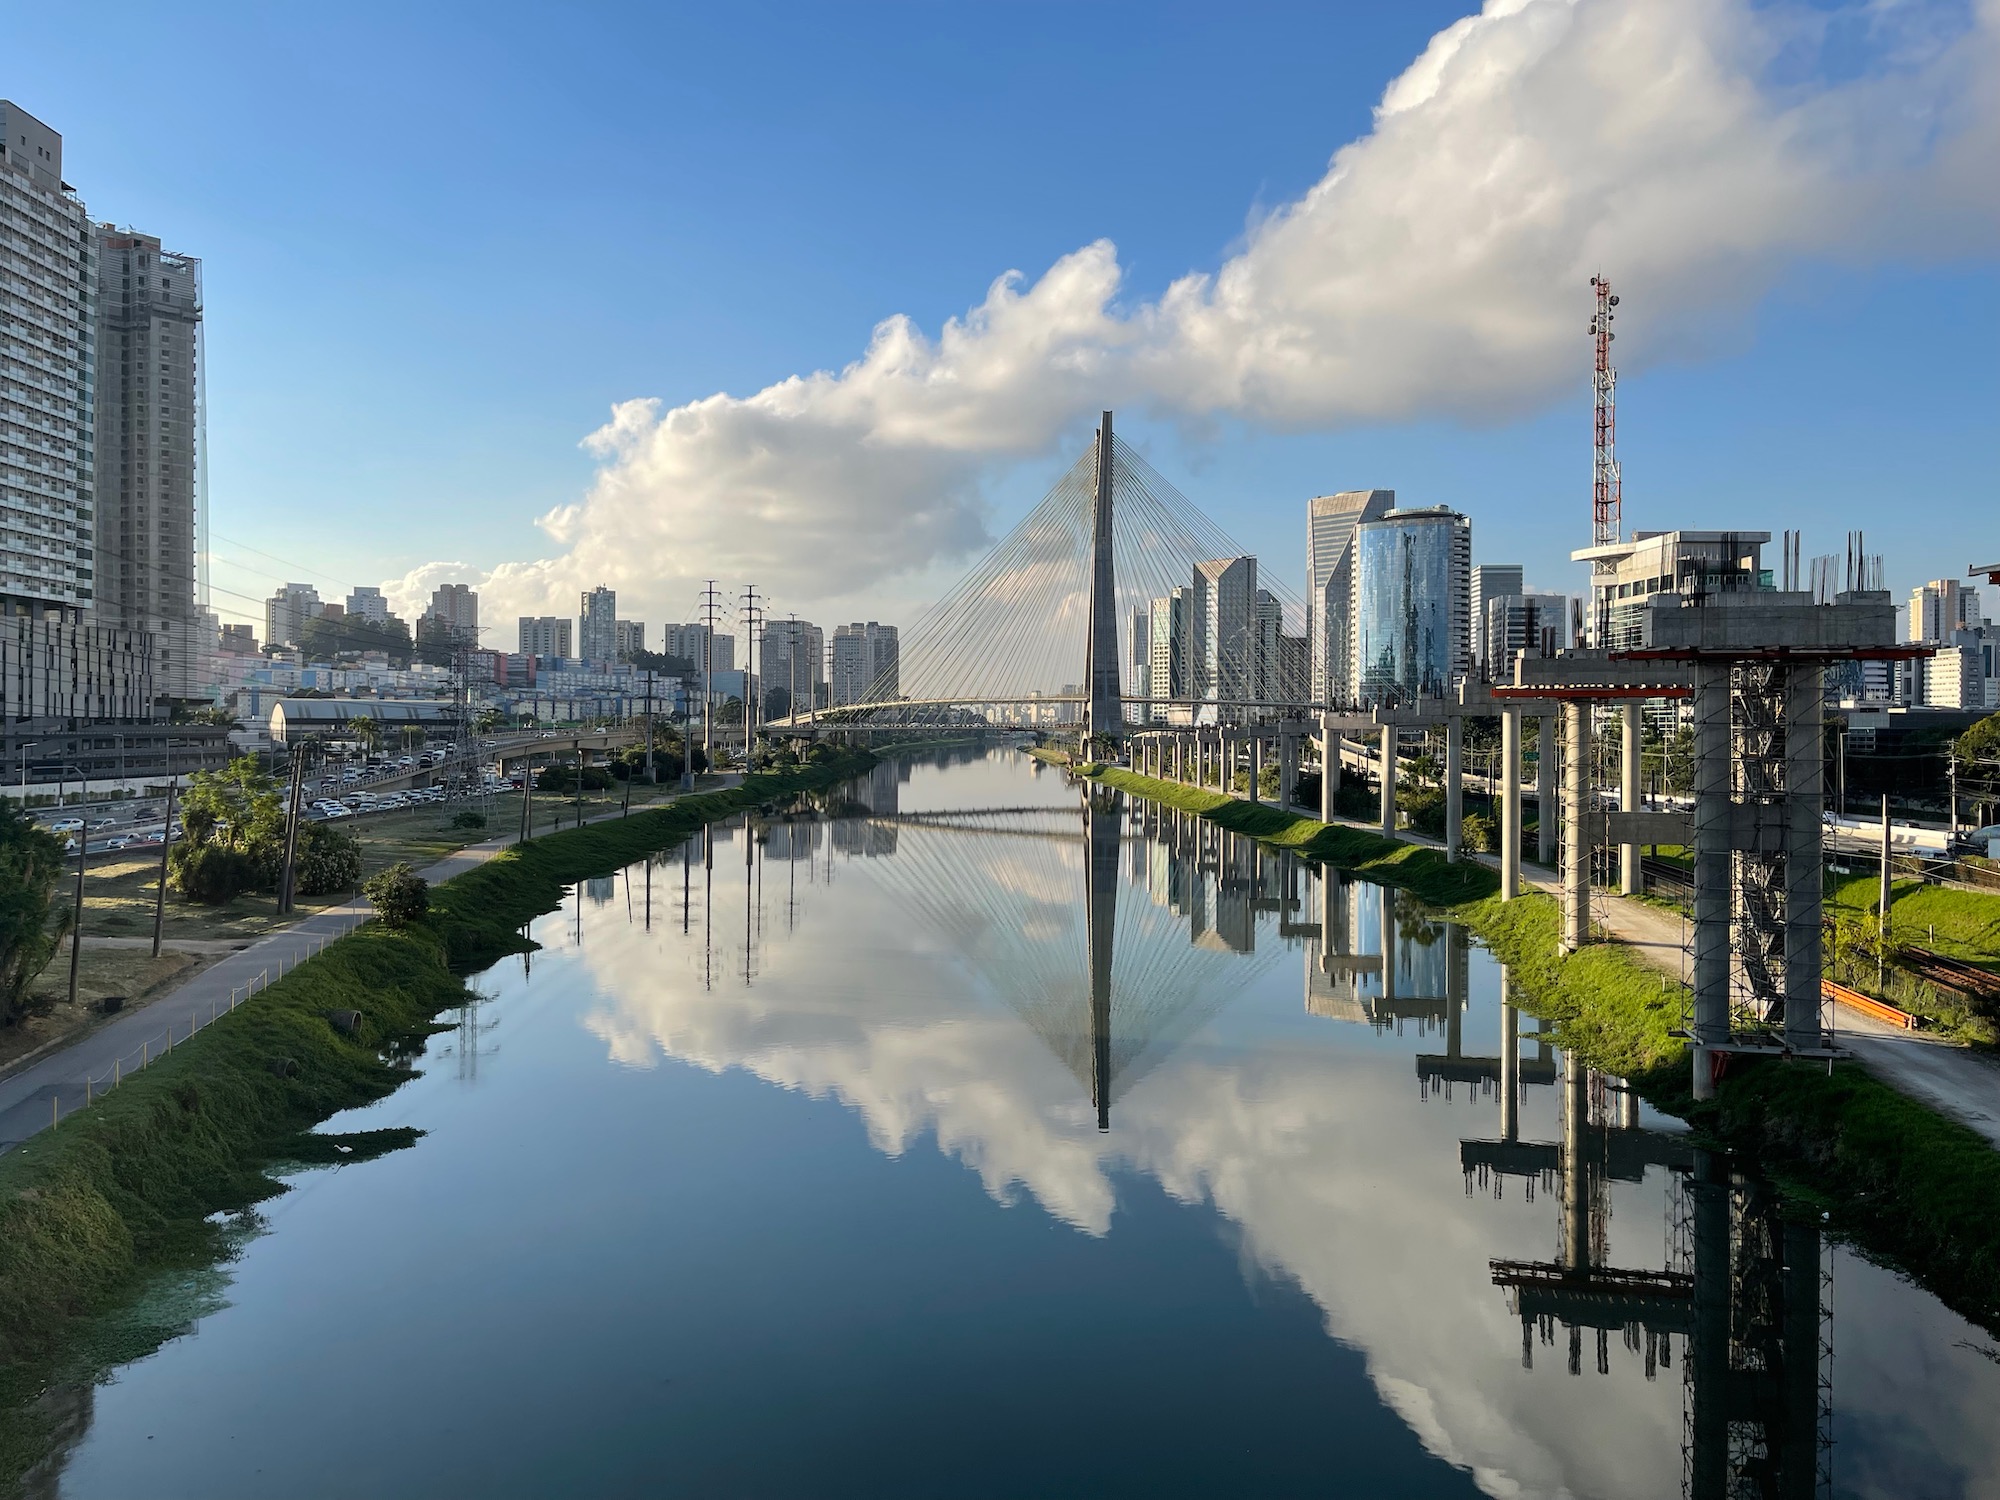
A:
(1606, 493)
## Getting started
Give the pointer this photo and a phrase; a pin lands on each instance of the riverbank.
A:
(1887, 1171)
(127, 1186)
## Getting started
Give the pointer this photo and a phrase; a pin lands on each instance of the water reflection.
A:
(1115, 932)
(1112, 1016)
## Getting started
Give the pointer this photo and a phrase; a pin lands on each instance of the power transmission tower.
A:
(1607, 491)
(751, 612)
(710, 605)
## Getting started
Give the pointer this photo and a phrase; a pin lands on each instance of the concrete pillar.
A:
(1256, 766)
(1545, 788)
(1389, 778)
(1712, 859)
(1329, 767)
(1510, 804)
(1576, 827)
(1288, 768)
(1510, 1062)
(1805, 772)
(1629, 881)
(1454, 796)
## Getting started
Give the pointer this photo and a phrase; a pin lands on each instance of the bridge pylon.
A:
(1104, 709)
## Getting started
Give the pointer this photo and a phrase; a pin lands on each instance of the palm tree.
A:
(364, 731)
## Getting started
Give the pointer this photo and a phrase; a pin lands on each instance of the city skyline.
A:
(1515, 457)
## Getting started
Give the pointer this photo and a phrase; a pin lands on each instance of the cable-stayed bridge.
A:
(1114, 602)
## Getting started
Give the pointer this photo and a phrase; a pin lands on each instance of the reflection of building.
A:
(1412, 603)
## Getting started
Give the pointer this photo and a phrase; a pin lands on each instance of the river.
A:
(973, 1138)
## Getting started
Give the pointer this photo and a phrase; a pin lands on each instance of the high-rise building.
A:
(1412, 603)
(1225, 634)
(630, 637)
(149, 427)
(1330, 523)
(368, 604)
(1490, 581)
(1536, 623)
(866, 664)
(1282, 662)
(792, 654)
(1940, 608)
(1168, 647)
(47, 463)
(455, 609)
(545, 635)
(286, 613)
(239, 640)
(597, 625)
(686, 642)
(1139, 665)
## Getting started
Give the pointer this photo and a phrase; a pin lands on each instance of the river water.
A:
(982, 1140)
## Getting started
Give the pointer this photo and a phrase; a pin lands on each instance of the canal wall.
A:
(1887, 1171)
(127, 1185)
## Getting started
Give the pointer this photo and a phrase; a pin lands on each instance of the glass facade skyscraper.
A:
(1412, 603)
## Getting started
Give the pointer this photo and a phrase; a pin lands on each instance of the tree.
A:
(329, 860)
(322, 639)
(1979, 745)
(365, 732)
(401, 896)
(32, 920)
(207, 713)
(239, 806)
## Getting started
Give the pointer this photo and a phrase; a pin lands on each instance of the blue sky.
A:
(441, 242)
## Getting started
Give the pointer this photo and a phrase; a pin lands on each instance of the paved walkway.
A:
(39, 1085)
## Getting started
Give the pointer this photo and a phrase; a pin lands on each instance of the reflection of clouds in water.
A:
(1289, 1143)
(1311, 1146)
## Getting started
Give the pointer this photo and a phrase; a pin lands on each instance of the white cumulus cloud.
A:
(1693, 149)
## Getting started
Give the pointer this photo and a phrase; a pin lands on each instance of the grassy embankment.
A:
(127, 1185)
(1904, 1181)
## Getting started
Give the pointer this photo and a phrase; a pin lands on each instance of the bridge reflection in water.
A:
(1116, 930)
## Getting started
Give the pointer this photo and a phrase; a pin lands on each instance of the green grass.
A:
(1967, 923)
(1911, 1186)
(127, 1187)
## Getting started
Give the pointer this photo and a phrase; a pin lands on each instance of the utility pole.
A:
(1882, 938)
(76, 921)
(166, 843)
(292, 789)
(652, 775)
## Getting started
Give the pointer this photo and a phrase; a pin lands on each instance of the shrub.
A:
(469, 819)
(329, 860)
(211, 874)
(563, 779)
(400, 894)
(1477, 835)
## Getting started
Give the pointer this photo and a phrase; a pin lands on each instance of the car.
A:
(117, 841)
(66, 825)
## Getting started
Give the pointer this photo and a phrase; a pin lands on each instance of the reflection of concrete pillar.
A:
(1389, 778)
(1805, 770)
(1576, 827)
(1575, 1191)
(1545, 789)
(1510, 804)
(1256, 766)
(1628, 796)
(1454, 797)
(1332, 918)
(1712, 859)
(1387, 896)
(1510, 1062)
(1708, 1425)
(1799, 1448)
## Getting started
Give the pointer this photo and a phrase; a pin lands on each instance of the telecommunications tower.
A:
(1607, 500)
